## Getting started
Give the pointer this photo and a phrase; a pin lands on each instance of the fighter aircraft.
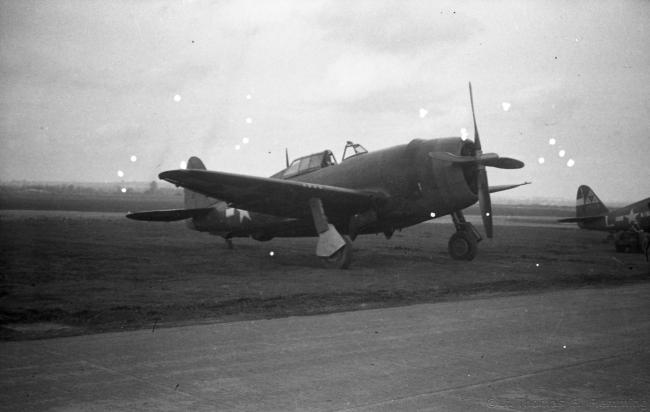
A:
(625, 222)
(368, 192)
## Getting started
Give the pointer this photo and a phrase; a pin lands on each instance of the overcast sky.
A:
(90, 88)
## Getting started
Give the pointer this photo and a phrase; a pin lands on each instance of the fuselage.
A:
(622, 218)
(413, 188)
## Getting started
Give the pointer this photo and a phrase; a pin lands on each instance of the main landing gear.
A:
(463, 245)
(334, 250)
(342, 258)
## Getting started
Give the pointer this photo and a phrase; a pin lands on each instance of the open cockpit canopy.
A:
(353, 149)
(308, 164)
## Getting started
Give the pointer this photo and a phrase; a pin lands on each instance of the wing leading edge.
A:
(500, 188)
(287, 198)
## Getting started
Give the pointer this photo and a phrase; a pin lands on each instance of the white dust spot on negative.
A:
(423, 112)
(563, 346)
(123, 190)
(248, 97)
(183, 164)
(537, 264)
(120, 173)
(571, 163)
(464, 134)
(177, 98)
(487, 213)
(551, 141)
(506, 106)
(561, 153)
(541, 160)
(237, 147)
(433, 214)
(249, 120)
(245, 140)
(134, 158)
(271, 253)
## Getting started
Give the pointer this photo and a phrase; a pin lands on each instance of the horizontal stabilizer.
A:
(500, 188)
(170, 215)
(581, 219)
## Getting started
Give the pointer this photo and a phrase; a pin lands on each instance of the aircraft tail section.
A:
(197, 206)
(169, 215)
(591, 213)
(588, 205)
(194, 200)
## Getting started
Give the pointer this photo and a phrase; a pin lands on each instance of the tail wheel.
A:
(341, 258)
(463, 246)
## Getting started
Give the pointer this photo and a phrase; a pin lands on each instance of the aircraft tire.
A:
(342, 258)
(463, 246)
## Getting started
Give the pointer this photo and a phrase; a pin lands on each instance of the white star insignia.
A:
(243, 214)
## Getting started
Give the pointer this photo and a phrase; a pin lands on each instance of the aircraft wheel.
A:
(462, 246)
(342, 258)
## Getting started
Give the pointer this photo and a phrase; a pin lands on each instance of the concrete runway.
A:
(584, 349)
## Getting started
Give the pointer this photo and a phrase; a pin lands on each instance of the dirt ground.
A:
(67, 273)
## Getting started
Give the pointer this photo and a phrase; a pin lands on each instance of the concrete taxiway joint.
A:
(329, 239)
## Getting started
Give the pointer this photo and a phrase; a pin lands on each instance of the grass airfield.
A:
(78, 272)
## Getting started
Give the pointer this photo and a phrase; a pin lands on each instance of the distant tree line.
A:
(152, 188)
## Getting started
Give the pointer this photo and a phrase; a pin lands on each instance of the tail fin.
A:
(588, 204)
(195, 200)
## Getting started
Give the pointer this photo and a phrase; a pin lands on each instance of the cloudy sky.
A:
(90, 88)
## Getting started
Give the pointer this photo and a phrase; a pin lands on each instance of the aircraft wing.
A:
(499, 188)
(279, 197)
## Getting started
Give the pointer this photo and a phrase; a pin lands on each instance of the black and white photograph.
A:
(324, 205)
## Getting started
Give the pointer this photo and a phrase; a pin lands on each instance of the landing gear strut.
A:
(463, 245)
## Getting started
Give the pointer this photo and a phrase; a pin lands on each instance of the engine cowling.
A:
(446, 187)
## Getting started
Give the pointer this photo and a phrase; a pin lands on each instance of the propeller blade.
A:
(493, 160)
(477, 140)
(509, 163)
(450, 157)
(486, 159)
(485, 204)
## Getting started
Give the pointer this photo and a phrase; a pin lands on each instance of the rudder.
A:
(588, 204)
